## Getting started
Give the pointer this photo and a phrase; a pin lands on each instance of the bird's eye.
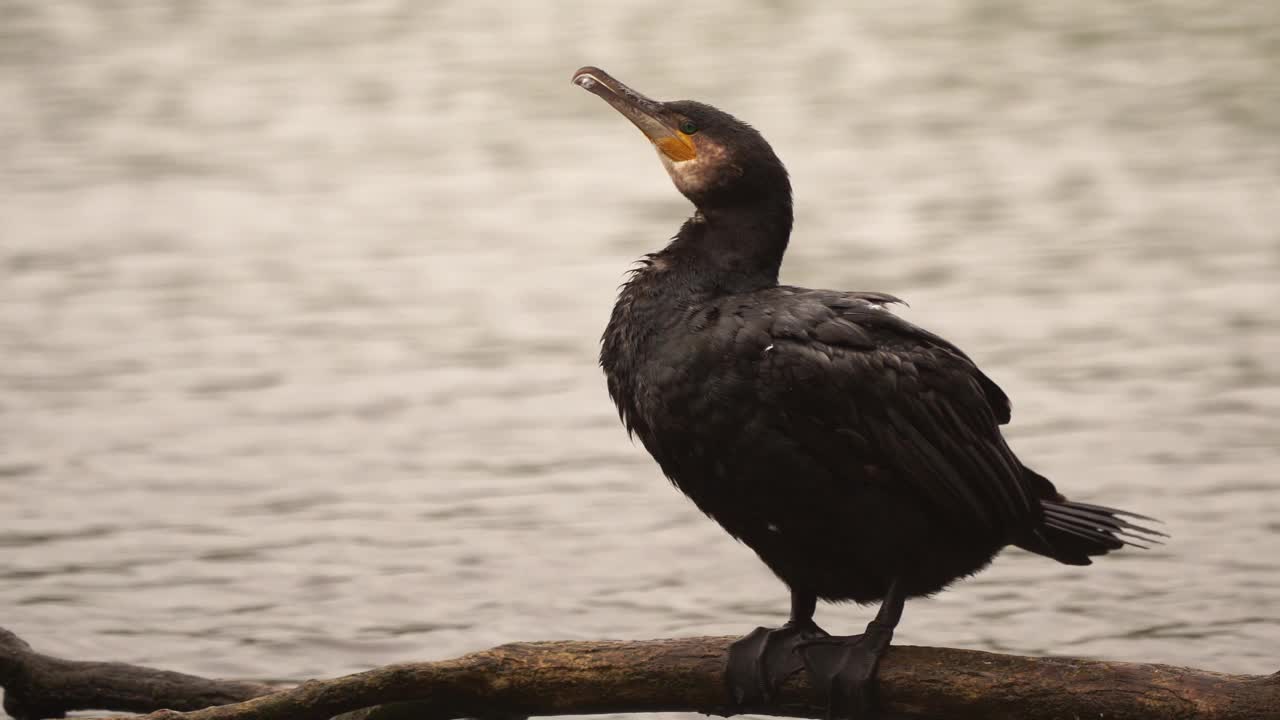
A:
(688, 128)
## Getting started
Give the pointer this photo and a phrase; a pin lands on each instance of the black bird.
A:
(860, 456)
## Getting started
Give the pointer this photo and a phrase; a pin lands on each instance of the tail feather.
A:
(1074, 532)
(1113, 511)
(1095, 518)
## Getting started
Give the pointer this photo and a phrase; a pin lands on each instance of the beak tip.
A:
(587, 77)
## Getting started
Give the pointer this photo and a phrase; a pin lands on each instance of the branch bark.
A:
(41, 686)
(557, 678)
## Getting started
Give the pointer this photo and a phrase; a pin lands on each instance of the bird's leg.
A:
(761, 661)
(846, 666)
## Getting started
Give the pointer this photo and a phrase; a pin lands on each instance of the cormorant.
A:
(858, 455)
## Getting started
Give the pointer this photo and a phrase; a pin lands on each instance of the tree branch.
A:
(557, 678)
(40, 686)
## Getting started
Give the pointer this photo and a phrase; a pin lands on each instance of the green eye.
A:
(688, 128)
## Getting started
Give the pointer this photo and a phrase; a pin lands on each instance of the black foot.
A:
(761, 661)
(846, 667)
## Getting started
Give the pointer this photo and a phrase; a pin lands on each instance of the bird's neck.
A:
(724, 250)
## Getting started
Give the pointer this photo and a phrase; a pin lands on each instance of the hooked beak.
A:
(655, 121)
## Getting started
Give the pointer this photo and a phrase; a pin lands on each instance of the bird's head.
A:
(714, 159)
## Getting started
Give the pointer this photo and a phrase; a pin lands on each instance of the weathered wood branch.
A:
(42, 686)
(557, 678)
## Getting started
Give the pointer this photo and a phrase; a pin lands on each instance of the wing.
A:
(853, 306)
(913, 404)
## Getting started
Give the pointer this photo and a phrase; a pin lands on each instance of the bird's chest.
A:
(684, 398)
(661, 382)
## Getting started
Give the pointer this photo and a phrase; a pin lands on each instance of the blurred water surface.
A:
(299, 307)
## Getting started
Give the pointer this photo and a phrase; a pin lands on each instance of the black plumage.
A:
(859, 455)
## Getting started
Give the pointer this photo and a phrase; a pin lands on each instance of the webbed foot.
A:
(846, 668)
(762, 660)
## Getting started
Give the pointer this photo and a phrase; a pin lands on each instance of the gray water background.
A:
(299, 308)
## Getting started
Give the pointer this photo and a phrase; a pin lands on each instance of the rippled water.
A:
(299, 306)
